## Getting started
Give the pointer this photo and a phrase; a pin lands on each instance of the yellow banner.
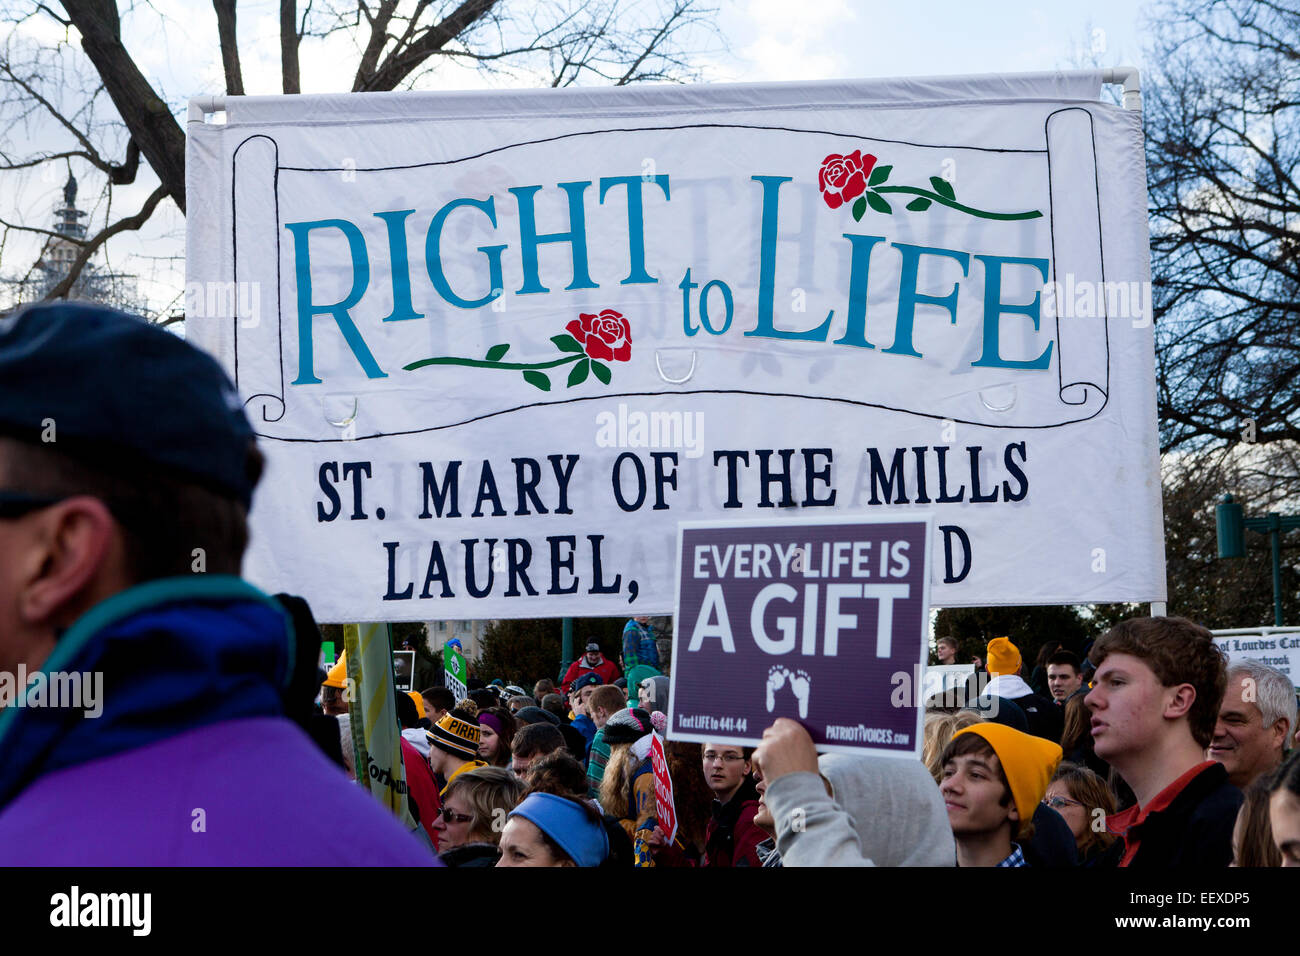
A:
(373, 705)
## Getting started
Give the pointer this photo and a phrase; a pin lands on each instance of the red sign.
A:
(664, 812)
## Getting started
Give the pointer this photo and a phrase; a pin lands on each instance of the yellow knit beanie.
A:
(1028, 762)
(419, 703)
(1003, 656)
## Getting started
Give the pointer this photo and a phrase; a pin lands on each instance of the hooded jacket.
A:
(1045, 719)
(605, 669)
(886, 811)
(423, 789)
(190, 762)
(659, 701)
(731, 837)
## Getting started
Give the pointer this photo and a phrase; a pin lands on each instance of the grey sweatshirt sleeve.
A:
(811, 829)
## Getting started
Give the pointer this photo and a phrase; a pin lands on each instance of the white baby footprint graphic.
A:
(801, 684)
(776, 679)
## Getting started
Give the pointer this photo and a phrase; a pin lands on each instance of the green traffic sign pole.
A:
(566, 645)
(1230, 528)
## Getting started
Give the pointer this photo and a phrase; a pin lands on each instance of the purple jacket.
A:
(190, 763)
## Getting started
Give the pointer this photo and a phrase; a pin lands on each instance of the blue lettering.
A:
(635, 221)
(994, 307)
(530, 239)
(307, 310)
(909, 298)
(767, 269)
(433, 255)
(397, 256)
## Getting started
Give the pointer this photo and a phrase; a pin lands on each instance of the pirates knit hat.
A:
(458, 732)
(1003, 656)
(1028, 762)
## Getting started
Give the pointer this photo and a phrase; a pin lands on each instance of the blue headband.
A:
(567, 823)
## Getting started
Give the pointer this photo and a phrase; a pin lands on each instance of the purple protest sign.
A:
(821, 621)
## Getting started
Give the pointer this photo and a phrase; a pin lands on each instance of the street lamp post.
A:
(1231, 526)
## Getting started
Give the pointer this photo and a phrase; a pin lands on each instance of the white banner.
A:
(1276, 647)
(497, 345)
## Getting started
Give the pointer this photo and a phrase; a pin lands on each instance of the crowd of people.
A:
(1148, 752)
(216, 741)
(1149, 748)
(1115, 759)
(561, 776)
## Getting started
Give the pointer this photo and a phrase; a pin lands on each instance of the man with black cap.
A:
(591, 662)
(127, 469)
(579, 694)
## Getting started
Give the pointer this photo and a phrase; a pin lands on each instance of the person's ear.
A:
(1180, 700)
(73, 540)
(1279, 729)
(1012, 813)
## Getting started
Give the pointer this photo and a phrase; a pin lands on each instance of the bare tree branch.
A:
(402, 61)
(89, 246)
(1223, 138)
(146, 114)
(289, 39)
(397, 43)
(226, 36)
(378, 36)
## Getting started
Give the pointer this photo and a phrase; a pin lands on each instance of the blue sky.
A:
(824, 39)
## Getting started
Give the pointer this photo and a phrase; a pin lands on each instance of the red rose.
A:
(844, 178)
(606, 336)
